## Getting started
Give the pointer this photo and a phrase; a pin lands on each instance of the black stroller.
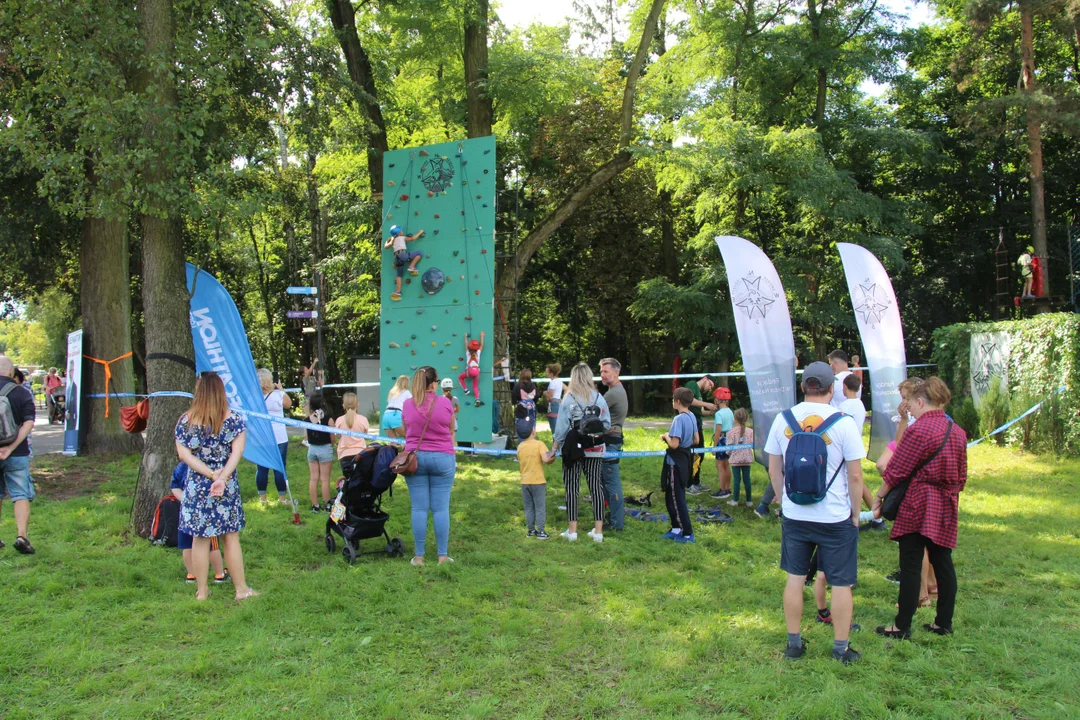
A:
(58, 408)
(361, 494)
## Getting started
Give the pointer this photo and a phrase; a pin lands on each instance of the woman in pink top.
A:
(429, 486)
(349, 447)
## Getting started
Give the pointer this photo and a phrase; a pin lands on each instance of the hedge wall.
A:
(1044, 355)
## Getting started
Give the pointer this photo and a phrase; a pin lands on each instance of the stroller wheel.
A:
(396, 547)
(331, 544)
(349, 554)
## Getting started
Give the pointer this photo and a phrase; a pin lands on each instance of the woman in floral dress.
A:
(210, 441)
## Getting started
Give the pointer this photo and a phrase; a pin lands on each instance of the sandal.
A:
(930, 627)
(895, 633)
(23, 545)
(249, 593)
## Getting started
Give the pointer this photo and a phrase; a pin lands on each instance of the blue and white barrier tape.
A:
(1034, 408)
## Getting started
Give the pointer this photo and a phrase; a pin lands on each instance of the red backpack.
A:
(166, 525)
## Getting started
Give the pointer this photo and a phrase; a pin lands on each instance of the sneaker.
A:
(541, 535)
(223, 578)
(395, 296)
(848, 656)
(315, 510)
(562, 507)
(569, 535)
(414, 273)
(531, 533)
(597, 537)
(588, 499)
(761, 513)
(2, 545)
(749, 504)
(794, 653)
(684, 539)
(670, 535)
(695, 490)
(894, 578)
(824, 617)
(721, 494)
(733, 503)
(478, 403)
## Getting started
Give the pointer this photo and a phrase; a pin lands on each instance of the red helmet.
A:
(721, 393)
(474, 345)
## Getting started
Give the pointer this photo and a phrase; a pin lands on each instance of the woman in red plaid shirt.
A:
(933, 453)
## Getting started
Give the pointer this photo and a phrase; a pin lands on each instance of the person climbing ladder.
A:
(473, 348)
(403, 256)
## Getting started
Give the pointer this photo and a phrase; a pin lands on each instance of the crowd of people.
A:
(814, 452)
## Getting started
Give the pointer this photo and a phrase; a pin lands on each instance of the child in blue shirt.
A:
(184, 541)
(676, 473)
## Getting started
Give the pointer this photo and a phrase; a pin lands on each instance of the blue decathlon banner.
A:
(221, 345)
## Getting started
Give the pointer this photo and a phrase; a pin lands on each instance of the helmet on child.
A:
(721, 393)
(446, 384)
(395, 230)
(474, 345)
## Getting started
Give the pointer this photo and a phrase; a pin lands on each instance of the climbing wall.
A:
(448, 191)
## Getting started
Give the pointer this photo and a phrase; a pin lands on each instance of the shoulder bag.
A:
(890, 504)
(405, 462)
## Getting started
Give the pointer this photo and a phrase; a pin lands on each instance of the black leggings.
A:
(675, 499)
(911, 559)
(593, 467)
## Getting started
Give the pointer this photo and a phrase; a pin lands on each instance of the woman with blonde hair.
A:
(349, 447)
(395, 401)
(210, 442)
(579, 430)
(429, 430)
(277, 402)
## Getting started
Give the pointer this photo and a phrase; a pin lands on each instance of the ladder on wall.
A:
(1002, 292)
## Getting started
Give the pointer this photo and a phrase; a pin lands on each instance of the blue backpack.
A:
(806, 461)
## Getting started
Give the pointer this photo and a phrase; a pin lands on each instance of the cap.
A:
(818, 376)
(524, 428)
(395, 230)
(1030, 249)
(721, 393)
(446, 383)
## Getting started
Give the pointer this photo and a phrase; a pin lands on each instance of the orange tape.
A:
(108, 375)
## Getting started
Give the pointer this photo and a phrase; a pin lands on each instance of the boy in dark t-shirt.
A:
(676, 473)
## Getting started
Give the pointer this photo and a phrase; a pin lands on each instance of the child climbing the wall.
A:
(473, 348)
(403, 256)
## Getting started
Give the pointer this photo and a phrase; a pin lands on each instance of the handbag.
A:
(405, 462)
(890, 504)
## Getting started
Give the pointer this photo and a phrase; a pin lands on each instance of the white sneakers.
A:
(597, 537)
(569, 535)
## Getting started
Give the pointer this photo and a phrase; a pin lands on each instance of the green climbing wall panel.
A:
(448, 191)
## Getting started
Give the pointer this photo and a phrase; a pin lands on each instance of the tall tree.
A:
(1034, 136)
(478, 106)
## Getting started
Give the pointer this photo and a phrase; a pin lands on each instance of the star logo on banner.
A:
(754, 302)
(872, 303)
(988, 365)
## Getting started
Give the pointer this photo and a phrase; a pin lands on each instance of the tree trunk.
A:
(1035, 153)
(165, 296)
(479, 113)
(105, 299)
(822, 76)
(343, 18)
(264, 293)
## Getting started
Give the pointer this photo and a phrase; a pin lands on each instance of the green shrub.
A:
(962, 411)
(994, 410)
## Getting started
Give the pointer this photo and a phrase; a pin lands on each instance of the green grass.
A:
(100, 624)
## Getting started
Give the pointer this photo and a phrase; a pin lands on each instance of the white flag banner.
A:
(882, 335)
(989, 359)
(764, 328)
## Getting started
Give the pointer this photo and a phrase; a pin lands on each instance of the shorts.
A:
(15, 478)
(392, 419)
(553, 409)
(402, 258)
(320, 453)
(837, 545)
(184, 541)
(718, 442)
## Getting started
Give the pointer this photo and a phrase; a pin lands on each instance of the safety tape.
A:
(1006, 426)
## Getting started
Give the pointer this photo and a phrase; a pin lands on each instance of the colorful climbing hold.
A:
(404, 196)
(413, 337)
(487, 151)
(436, 217)
(394, 345)
(391, 164)
(406, 344)
(430, 194)
(462, 277)
(452, 367)
(432, 327)
(433, 280)
(477, 292)
(436, 232)
(391, 184)
(482, 252)
(485, 204)
(478, 197)
(455, 253)
(420, 311)
(413, 352)
(408, 281)
(434, 344)
(485, 172)
(424, 153)
(462, 261)
(468, 317)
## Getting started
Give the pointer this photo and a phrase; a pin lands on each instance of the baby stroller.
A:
(58, 409)
(360, 494)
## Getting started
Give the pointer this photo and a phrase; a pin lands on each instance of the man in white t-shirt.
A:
(838, 361)
(831, 526)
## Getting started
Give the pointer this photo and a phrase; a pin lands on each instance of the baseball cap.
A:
(524, 428)
(721, 393)
(818, 376)
(446, 383)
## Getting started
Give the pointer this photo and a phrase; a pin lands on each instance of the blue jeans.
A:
(613, 482)
(15, 478)
(262, 475)
(429, 490)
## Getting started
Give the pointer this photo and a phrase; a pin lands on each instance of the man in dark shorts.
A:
(15, 455)
(831, 525)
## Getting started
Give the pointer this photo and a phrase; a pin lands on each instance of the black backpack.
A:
(586, 429)
(166, 525)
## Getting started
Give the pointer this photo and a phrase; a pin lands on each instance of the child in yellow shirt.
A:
(532, 456)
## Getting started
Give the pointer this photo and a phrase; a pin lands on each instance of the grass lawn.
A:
(100, 624)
